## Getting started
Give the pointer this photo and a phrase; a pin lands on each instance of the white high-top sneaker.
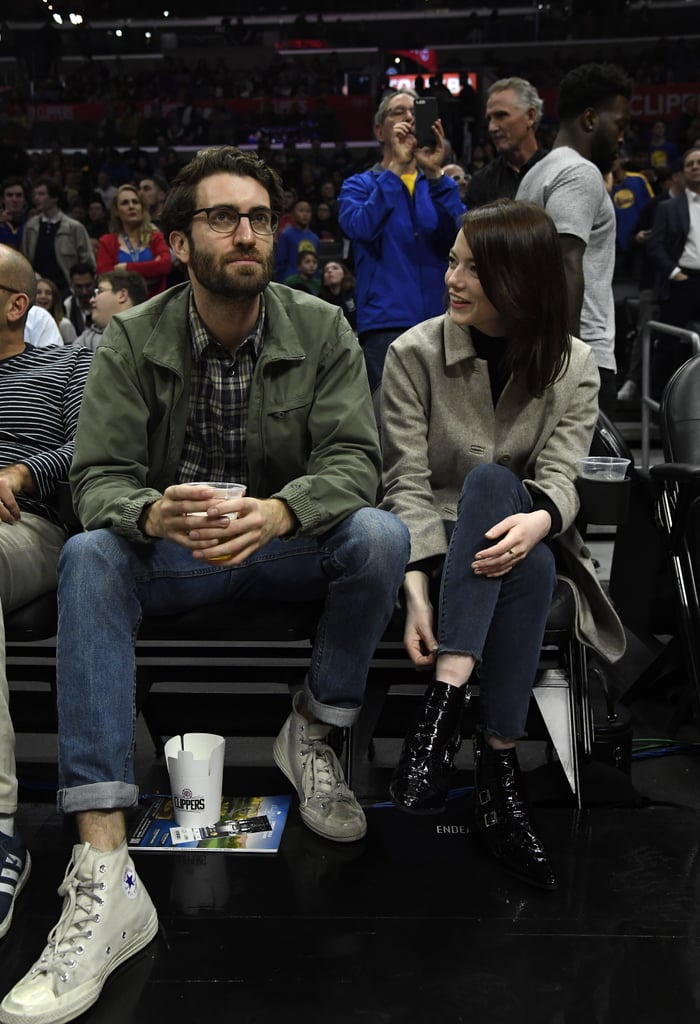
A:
(327, 804)
(107, 917)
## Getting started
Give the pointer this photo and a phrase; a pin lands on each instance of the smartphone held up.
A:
(425, 112)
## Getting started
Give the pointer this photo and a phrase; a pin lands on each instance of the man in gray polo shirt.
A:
(593, 111)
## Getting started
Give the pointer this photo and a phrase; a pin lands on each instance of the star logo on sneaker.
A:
(12, 862)
(129, 883)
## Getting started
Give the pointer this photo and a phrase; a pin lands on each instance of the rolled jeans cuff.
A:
(98, 796)
(328, 713)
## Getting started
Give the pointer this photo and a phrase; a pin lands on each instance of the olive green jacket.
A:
(312, 437)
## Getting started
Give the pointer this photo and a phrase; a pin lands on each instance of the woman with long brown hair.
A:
(133, 243)
(485, 413)
(338, 288)
(49, 298)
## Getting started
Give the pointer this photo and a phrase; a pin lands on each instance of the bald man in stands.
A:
(40, 394)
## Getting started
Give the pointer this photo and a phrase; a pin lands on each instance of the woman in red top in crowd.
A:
(134, 244)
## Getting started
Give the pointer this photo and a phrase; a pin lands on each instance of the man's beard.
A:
(602, 155)
(231, 280)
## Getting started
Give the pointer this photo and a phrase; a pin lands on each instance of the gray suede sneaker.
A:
(327, 805)
(107, 917)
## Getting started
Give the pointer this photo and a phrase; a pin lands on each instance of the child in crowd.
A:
(296, 238)
(306, 277)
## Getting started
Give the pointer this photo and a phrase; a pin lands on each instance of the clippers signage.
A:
(185, 801)
(649, 102)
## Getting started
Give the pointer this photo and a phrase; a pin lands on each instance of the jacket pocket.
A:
(293, 407)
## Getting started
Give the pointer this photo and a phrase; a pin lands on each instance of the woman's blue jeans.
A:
(107, 583)
(499, 621)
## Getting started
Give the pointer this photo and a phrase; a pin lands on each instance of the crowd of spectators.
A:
(200, 88)
(312, 172)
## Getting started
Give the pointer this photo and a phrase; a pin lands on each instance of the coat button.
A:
(585, 552)
(504, 460)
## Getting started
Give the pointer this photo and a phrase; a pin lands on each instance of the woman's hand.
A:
(517, 535)
(418, 637)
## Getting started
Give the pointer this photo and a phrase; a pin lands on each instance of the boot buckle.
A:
(490, 819)
(484, 796)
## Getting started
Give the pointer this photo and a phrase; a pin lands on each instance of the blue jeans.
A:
(499, 621)
(107, 583)
(375, 345)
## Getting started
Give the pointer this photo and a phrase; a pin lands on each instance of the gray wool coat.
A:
(439, 422)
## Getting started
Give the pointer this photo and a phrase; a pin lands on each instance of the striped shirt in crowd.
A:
(217, 424)
(40, 395)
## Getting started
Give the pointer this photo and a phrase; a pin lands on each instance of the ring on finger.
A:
(512, 554)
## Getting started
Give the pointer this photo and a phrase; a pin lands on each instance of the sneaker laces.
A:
(81, 901)
(322, 777)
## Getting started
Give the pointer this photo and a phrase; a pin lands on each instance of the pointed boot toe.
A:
(502, 816)
(521, 853)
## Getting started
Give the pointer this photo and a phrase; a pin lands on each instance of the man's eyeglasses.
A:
(101, 291)
(225, 219)
(12, 291)
(402, 112)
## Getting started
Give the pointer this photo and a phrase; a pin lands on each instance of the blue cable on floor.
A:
(453, 794)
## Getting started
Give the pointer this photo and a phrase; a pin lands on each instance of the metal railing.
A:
(649, 405)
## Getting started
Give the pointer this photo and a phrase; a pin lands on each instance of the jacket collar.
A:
(281, 340)
(169, 341)
(458, 342)
(377, 169)
(459, 348)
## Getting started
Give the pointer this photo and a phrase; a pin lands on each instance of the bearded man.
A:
(225, 378)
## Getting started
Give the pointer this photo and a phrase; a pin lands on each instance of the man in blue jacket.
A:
(402, 217)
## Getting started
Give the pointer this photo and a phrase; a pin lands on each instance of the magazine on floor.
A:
(249, 824)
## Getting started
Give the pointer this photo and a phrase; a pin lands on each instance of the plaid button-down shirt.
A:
(215, 438)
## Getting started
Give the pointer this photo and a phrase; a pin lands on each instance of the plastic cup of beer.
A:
(223, 490)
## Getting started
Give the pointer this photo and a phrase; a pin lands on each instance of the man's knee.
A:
(382, 531)
(86, 551)
(376, 543)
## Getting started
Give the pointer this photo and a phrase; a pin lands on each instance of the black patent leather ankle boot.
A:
(502, 816)
(420, 781)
